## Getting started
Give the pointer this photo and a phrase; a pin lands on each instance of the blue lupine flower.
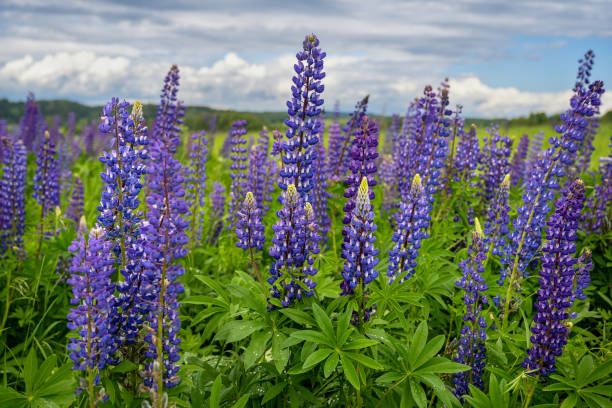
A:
(217, 211)
(249, 229)
(170, 112)
(360, 254)
(75, 208)
(46, 183)
(498, 220)
(517, 167)
(340, 143)
(196, 184)
(582, 277)
(12, 194)
(549, 332)
(31, 123)
(494, 160)
(237, 168)
(471, 349)
(412, 221)
(303, 125)
(92, 295)
(468, 151)
(320, 195)
(295, 242)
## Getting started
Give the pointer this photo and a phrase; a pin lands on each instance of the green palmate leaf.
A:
(600, 389)
(330, 364)
(215, 393)
(595, 400)
(312, 336)
(257, 347)
(237, 330)
(241, 403)
(570, 401)
(440, 389)
(273, 391)
(279, 355)
(203, 300)
(213, 285)
(364, 360)
(418, 394)
(344, 330)
(584, 369)
(324, 322)
(418, 342)
(11, 398)
(359, 344)
(316, 357)
(601, 371)
(299, 317)
(349, 371)
(441, 365)
(431, 349)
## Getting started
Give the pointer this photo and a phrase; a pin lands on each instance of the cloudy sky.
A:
(503, 58)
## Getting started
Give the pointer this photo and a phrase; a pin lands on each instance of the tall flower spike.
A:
(169, 112)
(471, 349)
(494, 161)
(217, 211)
(320, 195)
(75, 208)
(46, 183)
(92, 295)
(360, 255)
(497, 223)
(196, 184)
(550, 331)
(340, 145)
(31, 124)
(412, 222)
(291, 248)
(12, 194)
(303, 125)
(249, 228)
(165, 246)
(517, 167)
(468, 151)
(237, 169)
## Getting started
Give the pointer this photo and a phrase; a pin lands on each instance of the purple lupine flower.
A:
(46, 183)
(217, 211)
(124, 172)
(31, 124)
(517, 167)
(170, 112)
(94, 346)
(277, 144)
(585, 65)
(535, 148)
(74, 211)
(412, 221)
(334, 147)
(249, 229)
(295, 242)
(471, 350)
(389, 181)
(320, 195)
(494, 160)
(363, 164)
(360, 255)
(498, 220)
(196, 183)
(303, 125)
(55, 133)
(598, 204)
(255, 180)
(458, 125)
(12, 194)
(339, 150)
(238, 169)
(582, 276)
(165, 245)
(549, 332)
(466, 158)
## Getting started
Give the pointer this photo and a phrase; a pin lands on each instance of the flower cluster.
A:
(196, 183)
(75, 208)
(12, 194)
(364, 152)
(467, 148)
(517, 167)
(549, 332)
(339, 147)
(360, 254)
(471, 349)
(217, 210)
(46, 179)
(31, 123)
(498, 220)
(320, 195)
(170, 112)
(494, 161)
(249, 229)
(295, 242)
(237, 168)
(92, 295)
(412, 221)
(303, 125)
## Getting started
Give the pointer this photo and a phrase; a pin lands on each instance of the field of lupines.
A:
(432, 264)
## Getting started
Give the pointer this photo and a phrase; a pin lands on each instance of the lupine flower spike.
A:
(360, 255)
(250, 230)
(471, 349)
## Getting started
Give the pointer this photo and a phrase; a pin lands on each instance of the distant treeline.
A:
(197, 117)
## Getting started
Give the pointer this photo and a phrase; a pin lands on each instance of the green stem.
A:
(530, 391)
(397, 383)
(8, 300)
